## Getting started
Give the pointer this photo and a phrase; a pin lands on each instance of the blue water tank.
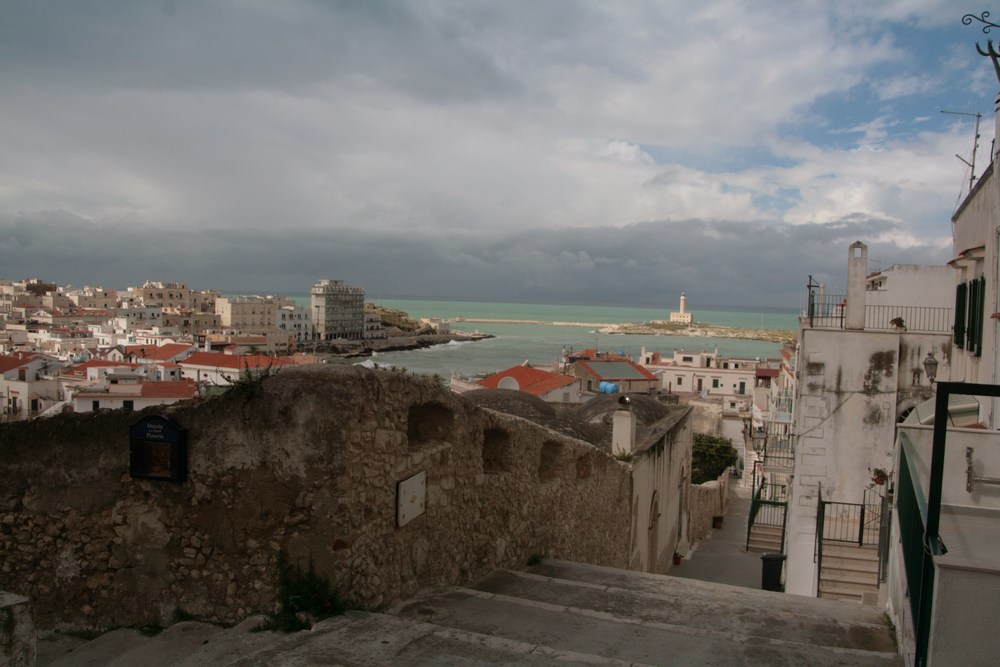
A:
(607, 387)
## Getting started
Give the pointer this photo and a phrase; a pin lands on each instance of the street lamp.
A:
(759, 439)
(930, 367)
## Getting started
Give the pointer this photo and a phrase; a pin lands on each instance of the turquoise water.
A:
(542, 344)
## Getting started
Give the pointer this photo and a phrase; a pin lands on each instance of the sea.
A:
(543, 344)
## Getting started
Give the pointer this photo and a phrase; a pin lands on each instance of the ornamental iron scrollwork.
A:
(990, 51)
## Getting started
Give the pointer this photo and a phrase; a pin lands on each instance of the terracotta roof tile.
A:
(234, 361)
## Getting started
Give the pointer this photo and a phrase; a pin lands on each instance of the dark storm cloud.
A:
(715, 263)
(469, 148)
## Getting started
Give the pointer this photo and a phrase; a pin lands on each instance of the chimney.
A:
(857, 271)
(623, 428)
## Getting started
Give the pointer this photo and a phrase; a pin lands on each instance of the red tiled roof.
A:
(159, 353)
(768, 372)
(234, 361)
(530, 380)
(10, 362)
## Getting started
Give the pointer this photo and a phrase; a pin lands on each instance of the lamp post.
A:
(759, 440)
(930, 367)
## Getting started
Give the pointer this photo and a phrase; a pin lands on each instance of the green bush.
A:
(710, 457)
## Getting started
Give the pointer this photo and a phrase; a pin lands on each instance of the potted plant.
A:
(879, 475)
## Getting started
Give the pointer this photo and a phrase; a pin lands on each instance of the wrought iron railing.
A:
(863, 523)
(768, 512)
(779, 453)
(827, 311)
(918, 561)
(857, 523)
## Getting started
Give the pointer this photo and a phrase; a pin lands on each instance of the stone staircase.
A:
(848, 572)
(556, 611)
(765, 539)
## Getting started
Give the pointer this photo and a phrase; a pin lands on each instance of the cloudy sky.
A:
(555, 151)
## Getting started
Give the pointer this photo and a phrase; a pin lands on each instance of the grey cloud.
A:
(715, 263)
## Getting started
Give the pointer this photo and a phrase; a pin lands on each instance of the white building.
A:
(338, 310)
(296, 322)
(129, 391)
(859, 372)
(251, 314)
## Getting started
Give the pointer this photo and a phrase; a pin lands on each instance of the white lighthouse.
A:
(681, 317)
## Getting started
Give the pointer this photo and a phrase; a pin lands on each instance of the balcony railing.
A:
(768, 512)
(779, 453)
(920, 515)
(827, 311)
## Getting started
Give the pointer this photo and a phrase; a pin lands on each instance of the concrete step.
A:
(850, 564)
(836, 576)
(99, 651)
(844, 550)
(841, 594)
(765, 539)
(655, 619)
(554, 611)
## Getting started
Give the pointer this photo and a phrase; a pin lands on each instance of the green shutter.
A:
(980, 314)
(960, 301)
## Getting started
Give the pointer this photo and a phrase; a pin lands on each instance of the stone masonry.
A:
(305, 462)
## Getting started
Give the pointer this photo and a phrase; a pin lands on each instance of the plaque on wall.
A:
(158, 449)
(411, 498)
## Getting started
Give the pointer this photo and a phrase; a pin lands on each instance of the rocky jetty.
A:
(662, 328)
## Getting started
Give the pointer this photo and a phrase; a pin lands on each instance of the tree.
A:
(710, 457)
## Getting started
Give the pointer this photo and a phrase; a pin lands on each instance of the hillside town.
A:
(199, 478)
(827, 434)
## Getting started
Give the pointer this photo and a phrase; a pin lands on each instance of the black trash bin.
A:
(771, 574)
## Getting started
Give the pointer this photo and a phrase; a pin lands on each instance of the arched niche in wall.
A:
(550, 461)
(429, 422)
(496, 447)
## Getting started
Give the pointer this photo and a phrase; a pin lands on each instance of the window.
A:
(970, 302)
(128, 405)
(715, 383)
(687, 359)
(680, 380)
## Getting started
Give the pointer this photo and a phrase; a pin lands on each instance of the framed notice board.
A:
(158, 449)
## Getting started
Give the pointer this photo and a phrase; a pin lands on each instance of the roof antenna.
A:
(975, 145)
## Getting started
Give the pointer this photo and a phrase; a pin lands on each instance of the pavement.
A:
(722, 557)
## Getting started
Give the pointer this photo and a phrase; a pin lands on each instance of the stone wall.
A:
(306, 462)
(708, 500)
(17, 631)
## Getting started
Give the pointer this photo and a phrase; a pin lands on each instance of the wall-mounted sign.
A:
(158, 449)
(411, 498)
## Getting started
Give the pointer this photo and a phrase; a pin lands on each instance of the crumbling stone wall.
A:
(708, 500)
(306, 462)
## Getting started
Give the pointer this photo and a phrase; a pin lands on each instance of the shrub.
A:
(710, 457)
(303, 597)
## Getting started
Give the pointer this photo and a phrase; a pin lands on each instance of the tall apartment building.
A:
(338, 310)
(250, 314)
(175, 296)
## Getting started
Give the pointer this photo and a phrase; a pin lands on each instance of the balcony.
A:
(827, 311)
(947, 569)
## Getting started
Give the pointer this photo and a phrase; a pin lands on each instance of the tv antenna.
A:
(975, 145)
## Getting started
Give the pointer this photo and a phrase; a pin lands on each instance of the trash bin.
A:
(771, 574)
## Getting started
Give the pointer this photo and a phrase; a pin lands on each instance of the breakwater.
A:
(656, 328)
